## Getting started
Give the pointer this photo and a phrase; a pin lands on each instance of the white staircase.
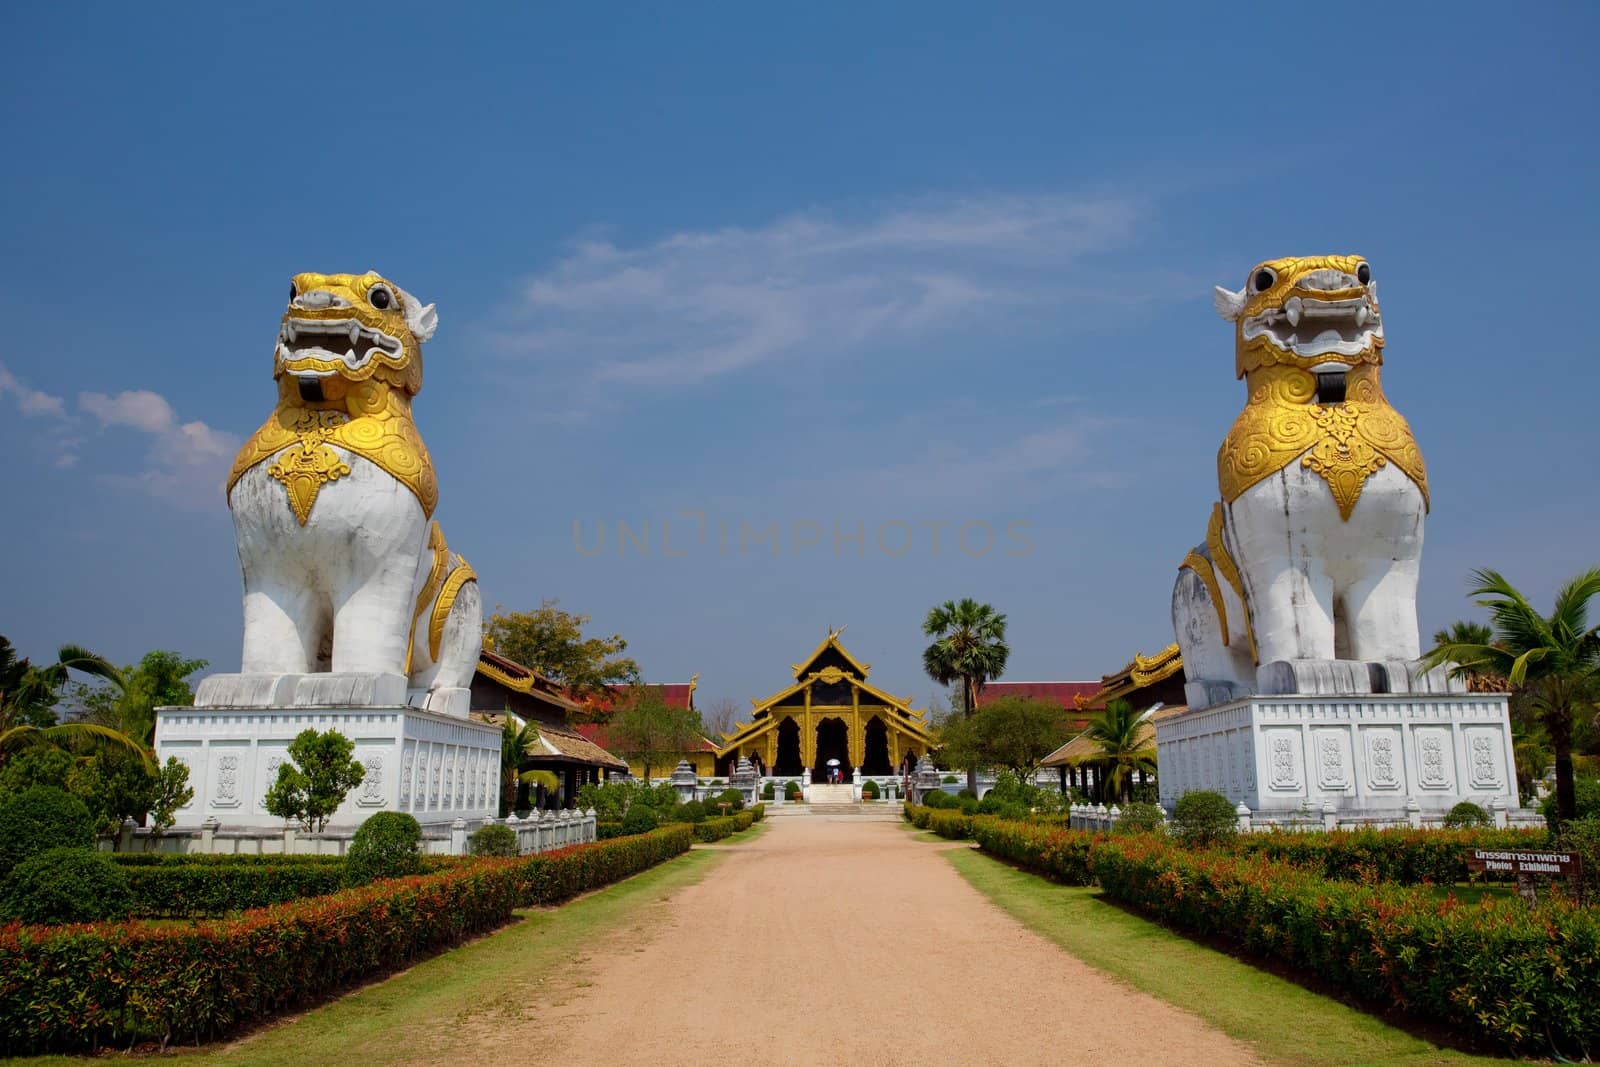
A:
(832, 795)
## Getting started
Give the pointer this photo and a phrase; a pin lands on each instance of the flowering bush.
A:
(1404, 857)
(1499, 971)
(1047, 848)
(81, 987)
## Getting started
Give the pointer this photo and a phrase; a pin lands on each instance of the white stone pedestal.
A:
(1345, 760)
(438, 768)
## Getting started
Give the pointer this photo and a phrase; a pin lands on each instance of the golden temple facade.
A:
(830, 712)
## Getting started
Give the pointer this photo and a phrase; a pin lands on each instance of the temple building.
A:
(829, 712)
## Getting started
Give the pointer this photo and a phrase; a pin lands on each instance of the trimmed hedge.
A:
(84, 987)
(1500, 972)
(65, 885)
(164, 891)
(181, 859)
(1403, 857)
(1051, 850)
(718, 827)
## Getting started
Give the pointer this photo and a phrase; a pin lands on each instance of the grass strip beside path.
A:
(413, 1016)
(1284, 1022)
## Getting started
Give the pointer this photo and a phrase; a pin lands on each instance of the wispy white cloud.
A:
(30, 401)
(698, 305)
(186, 462)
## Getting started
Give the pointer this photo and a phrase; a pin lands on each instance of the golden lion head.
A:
(354, 327)
(1317, 313)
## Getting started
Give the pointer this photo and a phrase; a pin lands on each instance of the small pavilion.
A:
(829, 711)
(503, 687)
(1151, 684)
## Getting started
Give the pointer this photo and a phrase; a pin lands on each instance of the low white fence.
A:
(1101, 817)
(541, 831)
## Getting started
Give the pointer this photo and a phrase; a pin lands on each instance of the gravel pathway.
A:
(842, 940)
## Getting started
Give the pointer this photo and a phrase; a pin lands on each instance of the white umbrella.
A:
(833, 763)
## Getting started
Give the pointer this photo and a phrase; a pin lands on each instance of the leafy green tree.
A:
(38, 765)
(310, 789)
(1553, 662)
(1123, 747)
(158, 680)
(552, 642)
(648, 729)
(115, 786)
(969, 648)
(1012, 732)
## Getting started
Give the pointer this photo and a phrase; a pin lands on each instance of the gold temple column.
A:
(894, 747)
(857, 737)
(808, 737)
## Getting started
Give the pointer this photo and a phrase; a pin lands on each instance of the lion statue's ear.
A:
(422, 320)
(1230, 304)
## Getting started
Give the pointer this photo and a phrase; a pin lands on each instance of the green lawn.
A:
(411, 1017)
(1284, 1022)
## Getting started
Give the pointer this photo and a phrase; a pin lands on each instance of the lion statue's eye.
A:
(380, 297)
(1364, 274)
(1263, 279)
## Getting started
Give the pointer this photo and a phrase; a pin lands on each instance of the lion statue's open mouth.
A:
(307, 346)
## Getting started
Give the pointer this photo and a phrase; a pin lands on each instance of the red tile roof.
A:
(1057, 692)
(676, 694)
(600, 734)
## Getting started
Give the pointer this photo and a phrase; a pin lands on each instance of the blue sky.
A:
(863, 266)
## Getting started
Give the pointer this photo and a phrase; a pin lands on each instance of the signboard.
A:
(1525, 865)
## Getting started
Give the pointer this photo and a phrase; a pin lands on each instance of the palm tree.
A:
(1465, 632)
(1552, 663)
(27, 694)
(970, 648)
(1118, 732)
(514, 744)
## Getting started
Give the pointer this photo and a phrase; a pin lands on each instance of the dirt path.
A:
(839, 940)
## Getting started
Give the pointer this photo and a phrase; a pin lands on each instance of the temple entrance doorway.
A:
(875, 760)
(833, 742)
(788, 758)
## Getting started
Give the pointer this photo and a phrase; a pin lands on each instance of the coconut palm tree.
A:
(1465, 632)
(970, 648)
(1117, 733)
(27, 693)
(1552, 663)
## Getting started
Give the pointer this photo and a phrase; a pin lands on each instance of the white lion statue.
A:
(1307, 579)
(332, 501)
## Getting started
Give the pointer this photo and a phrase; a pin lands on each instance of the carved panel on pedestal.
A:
(1332, 766)
(226, 792)
(408, 763)
(1383, 759)
(1433, 759)
(1483, 759)
(372, 783)
(435, 772)
(1283, 759)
